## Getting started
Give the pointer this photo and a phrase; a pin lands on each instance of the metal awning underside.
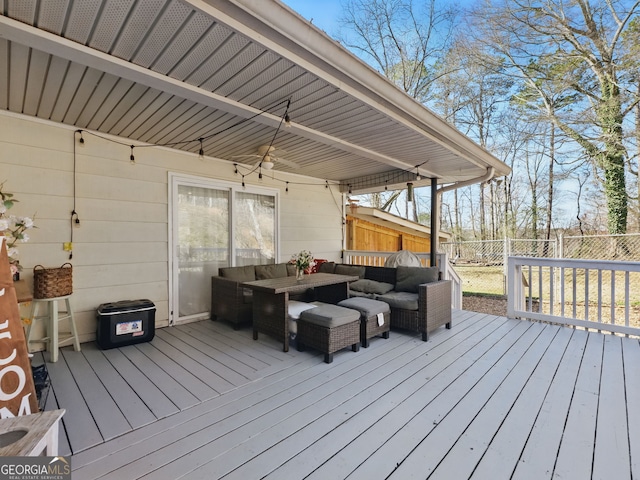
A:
(167, 71)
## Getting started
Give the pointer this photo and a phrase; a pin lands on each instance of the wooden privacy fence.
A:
(364, 235)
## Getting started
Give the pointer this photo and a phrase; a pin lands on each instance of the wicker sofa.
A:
(419, 301)
(232, 302)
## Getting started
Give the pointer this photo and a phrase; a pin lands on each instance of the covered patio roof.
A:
(172, 72)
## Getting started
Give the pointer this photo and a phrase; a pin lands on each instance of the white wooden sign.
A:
(17, 391)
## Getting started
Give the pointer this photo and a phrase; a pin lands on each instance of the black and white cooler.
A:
(125, 323)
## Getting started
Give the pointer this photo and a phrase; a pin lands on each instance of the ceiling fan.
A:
(268, 154)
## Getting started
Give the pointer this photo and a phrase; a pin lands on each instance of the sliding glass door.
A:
(214, 225)
(255, 235)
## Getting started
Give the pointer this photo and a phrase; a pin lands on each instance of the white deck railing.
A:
(377, 259)
(603, 295)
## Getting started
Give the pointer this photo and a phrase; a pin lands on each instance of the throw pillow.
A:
(327, 267)
(408, 278)
(277, 270)
(350, 270)
(239, 274)
(371, 286)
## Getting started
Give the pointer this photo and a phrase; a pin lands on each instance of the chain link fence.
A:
(601, 247)
(481, 265)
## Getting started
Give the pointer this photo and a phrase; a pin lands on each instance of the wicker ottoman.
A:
(329, 328)
(375, 317)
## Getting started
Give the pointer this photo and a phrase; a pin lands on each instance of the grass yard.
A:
(593, 292)
(481, 279)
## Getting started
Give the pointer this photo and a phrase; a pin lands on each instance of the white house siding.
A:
(120, 249)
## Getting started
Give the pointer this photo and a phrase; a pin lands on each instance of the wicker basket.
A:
(52, 282)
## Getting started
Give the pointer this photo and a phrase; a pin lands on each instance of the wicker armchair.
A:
(434, 310)
(230, 301)
(434, 303)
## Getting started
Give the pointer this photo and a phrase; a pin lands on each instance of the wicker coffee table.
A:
(271, 300)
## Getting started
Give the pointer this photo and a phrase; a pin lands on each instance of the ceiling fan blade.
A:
(284, 161)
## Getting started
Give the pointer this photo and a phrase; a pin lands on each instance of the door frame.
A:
(176, 179)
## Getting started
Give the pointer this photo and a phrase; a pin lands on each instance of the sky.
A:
(323, 13)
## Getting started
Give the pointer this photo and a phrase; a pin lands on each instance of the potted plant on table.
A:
(303, 262)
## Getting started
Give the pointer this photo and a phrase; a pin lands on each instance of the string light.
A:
(201, 151)
(287, 118)
(285, 122)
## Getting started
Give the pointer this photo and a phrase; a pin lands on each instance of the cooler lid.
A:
(125, 306)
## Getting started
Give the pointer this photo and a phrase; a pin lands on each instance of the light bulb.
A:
(201, 151)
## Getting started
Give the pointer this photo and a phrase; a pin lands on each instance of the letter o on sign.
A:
(4, 396)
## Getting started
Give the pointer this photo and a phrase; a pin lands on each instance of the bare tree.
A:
(403, 39)
(572, 47)
(472, 96)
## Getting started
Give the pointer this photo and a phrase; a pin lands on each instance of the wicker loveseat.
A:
(232, 302)
(419, 301)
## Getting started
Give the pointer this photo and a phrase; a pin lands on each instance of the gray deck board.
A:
(263, 347)
(611, 456)
(228, 346)
(197, 389)
(52, 404)
(358, 417)
(539, 455)
(194, 443)
(465, 453)
(316, 413)
(217, 365)
(82, 431)
(150, 394)
(105, 411)
(575, 456)
(631, 358)
(491, 398)
(133, 408)
(501, 457)
(225, 358)
(171, 347)
(109, 455)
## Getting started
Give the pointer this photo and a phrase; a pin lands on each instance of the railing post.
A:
(512, 289)
(560, 253)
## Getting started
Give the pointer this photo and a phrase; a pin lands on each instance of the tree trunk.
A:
(613, 158)
(552, 160)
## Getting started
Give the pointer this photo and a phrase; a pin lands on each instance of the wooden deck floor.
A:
(491, 398)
